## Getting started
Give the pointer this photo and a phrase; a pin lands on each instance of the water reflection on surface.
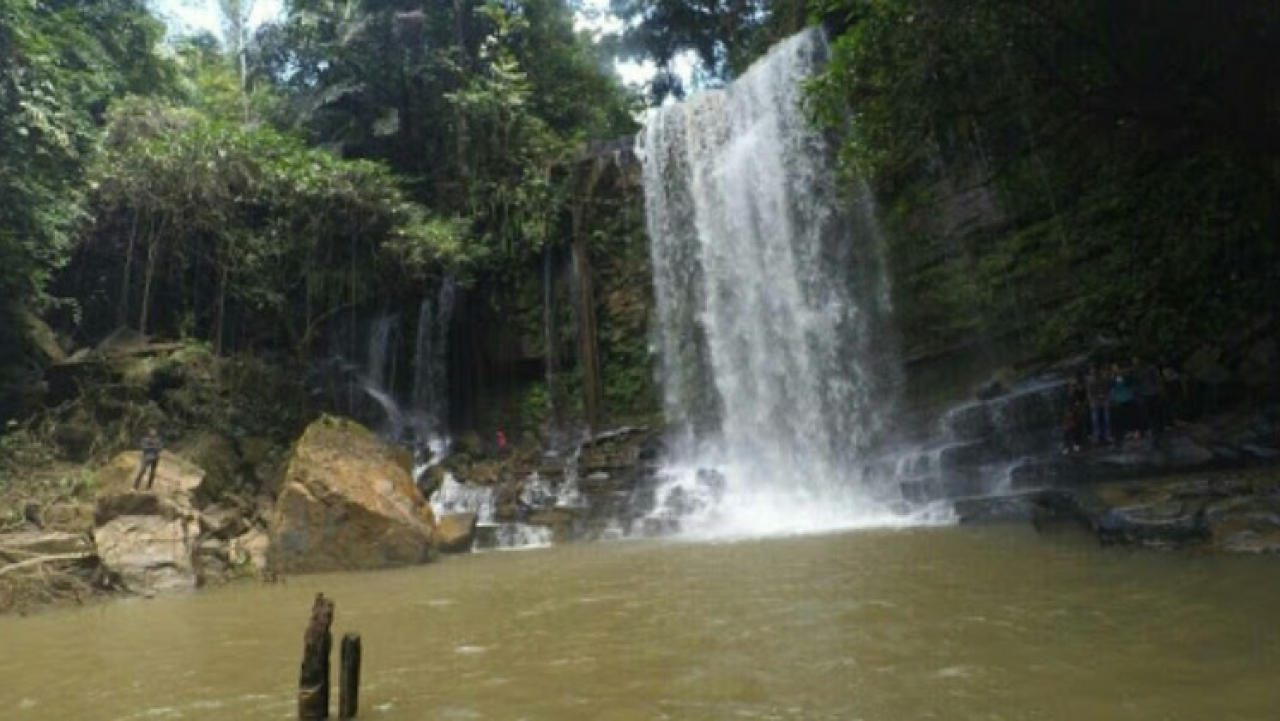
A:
(941, 623)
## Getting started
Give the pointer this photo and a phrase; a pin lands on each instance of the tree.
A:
(723, 36)
(474, 102)
(265, 240)
(235, 32)
(61, 63)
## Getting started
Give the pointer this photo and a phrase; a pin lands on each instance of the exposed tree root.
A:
(51, 558)
(51, 580)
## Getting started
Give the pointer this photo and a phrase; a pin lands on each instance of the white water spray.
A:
(774, 311)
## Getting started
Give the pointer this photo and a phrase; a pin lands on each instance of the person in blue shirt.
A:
(1123, 396)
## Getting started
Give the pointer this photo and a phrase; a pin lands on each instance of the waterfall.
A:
(773, 304)
(429, 399)
(549, 340)
(378, 352)
(379, 372)
(423, 419)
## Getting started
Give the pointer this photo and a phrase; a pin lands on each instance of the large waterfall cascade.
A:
(773, 303)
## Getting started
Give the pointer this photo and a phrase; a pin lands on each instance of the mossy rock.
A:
(219, 458)
(42, 338)
(69, 517)
(77, 435)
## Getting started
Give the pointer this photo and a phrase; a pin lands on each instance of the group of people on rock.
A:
(1110, 404)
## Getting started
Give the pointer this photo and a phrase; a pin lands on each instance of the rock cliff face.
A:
(347, 502)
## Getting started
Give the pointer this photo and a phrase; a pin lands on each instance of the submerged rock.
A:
(249, 552)
(995, 509)
(454, 533)
(347, 503)
(1234, 513)
(1246, 524)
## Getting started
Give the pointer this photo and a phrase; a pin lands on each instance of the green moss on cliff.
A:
(1049, 179)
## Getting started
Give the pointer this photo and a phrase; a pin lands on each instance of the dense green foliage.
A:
(248, 191)
(1123, 155)
(60, 65)
(242, 230)
(720, 37)
(478, 105)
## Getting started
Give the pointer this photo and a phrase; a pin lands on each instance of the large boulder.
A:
(68, 516)
(149, 537)
(347, 503)
(151, 554)
(42, 338)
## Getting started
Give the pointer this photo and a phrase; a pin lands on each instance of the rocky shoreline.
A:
(227, 507)
(329, 518)
(346, 500)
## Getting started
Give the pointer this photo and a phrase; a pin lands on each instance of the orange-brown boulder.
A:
(347, 503)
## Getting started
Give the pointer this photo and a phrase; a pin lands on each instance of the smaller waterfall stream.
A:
(430, 399)
(453, 497)
(413, 410)
(379, 372)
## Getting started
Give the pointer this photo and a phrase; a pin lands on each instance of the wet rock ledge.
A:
(1234, 511)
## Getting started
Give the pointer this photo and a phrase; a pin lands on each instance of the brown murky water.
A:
(940, 623)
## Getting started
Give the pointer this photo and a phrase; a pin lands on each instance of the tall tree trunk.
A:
(551, 355)
(460, 119)
(222, 312)
(588, 347)
(122, 310)
(153, 251)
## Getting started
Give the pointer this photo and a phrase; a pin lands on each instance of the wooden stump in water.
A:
(349, 677)
(313, 681)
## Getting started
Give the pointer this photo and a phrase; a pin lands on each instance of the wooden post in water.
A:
(349, 677)
(313, 681)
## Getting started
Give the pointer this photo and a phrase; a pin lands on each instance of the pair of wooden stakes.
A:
(313, 682)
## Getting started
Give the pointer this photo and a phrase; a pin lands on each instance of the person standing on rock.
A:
(1124, 399)
(1098, 388)
(1147, 378)
(151, 446)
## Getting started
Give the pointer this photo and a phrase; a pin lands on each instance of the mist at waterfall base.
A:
(774, 314)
